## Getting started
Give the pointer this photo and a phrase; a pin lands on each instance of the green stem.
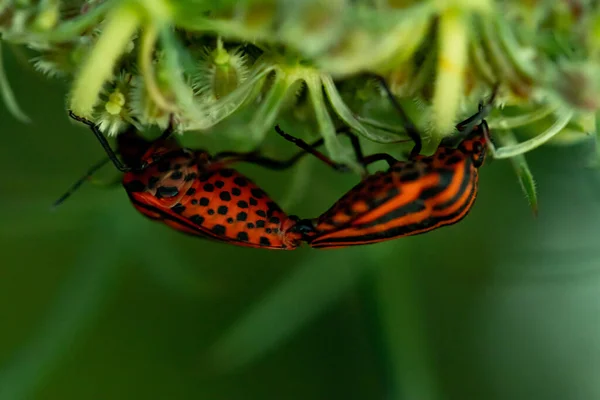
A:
(519, 164)
(336, 150)
(564, 116)
(8, 95)
(265, 116)
(98, 67)
(449, 83)
(524, 119)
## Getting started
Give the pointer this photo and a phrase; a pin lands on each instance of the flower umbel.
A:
(138, 62)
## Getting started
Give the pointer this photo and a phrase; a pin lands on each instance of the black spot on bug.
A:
(211, 211)
(177, 175)
(258, 193)
(230, 220)
(204, 201)
(226, 173)
(410, 175)
(219, 229)
(268, 230)
(223, 210)
(190, 192)
(178, 208)
(241, 216)
(209, 187)
(260, 223)
(166, 191)
(197, 219)
(274, 220)
(205, 176)
(250, 225)
(236, 192)
(135, 186)
(261, 213)
(264, 241)
(243, 236)
(152, 181)
(348, 210)
(240, 181)
(242, 204)
(194, 202)
(163, 166)
(253, 201)
(225, 196)
(272, 206)
(219, 184)
(190, 177)
(455, 159)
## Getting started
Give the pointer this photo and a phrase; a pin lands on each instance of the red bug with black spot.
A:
(195, 193)
(411, 197)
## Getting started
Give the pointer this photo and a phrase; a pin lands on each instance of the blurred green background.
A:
(97, 302)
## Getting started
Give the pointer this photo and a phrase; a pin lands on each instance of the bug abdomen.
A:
(224, 205)
(435, 197)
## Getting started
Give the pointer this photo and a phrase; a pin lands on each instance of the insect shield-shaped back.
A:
(161, 171)
(189, 192)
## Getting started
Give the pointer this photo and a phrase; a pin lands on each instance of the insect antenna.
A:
(468, 124)
(80, 182)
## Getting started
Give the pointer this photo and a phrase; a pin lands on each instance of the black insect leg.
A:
(112, 156)
(409, 126)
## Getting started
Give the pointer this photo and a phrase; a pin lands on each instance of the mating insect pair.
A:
(201, 195)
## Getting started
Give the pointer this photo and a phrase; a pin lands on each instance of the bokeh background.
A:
(96, 302)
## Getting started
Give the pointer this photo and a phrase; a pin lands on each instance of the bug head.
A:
(132, 147)
(475, 144)
(299, 230)
(474, 131)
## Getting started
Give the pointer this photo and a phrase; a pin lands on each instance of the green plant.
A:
(137, 62)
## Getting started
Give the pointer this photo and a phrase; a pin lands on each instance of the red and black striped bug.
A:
(195, 193)
(411, 197)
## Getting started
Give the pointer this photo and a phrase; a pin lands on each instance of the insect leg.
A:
(311, 148)
(380, 157)
(409, 126)
(110, 152)
(170, 128)
(255, 157)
